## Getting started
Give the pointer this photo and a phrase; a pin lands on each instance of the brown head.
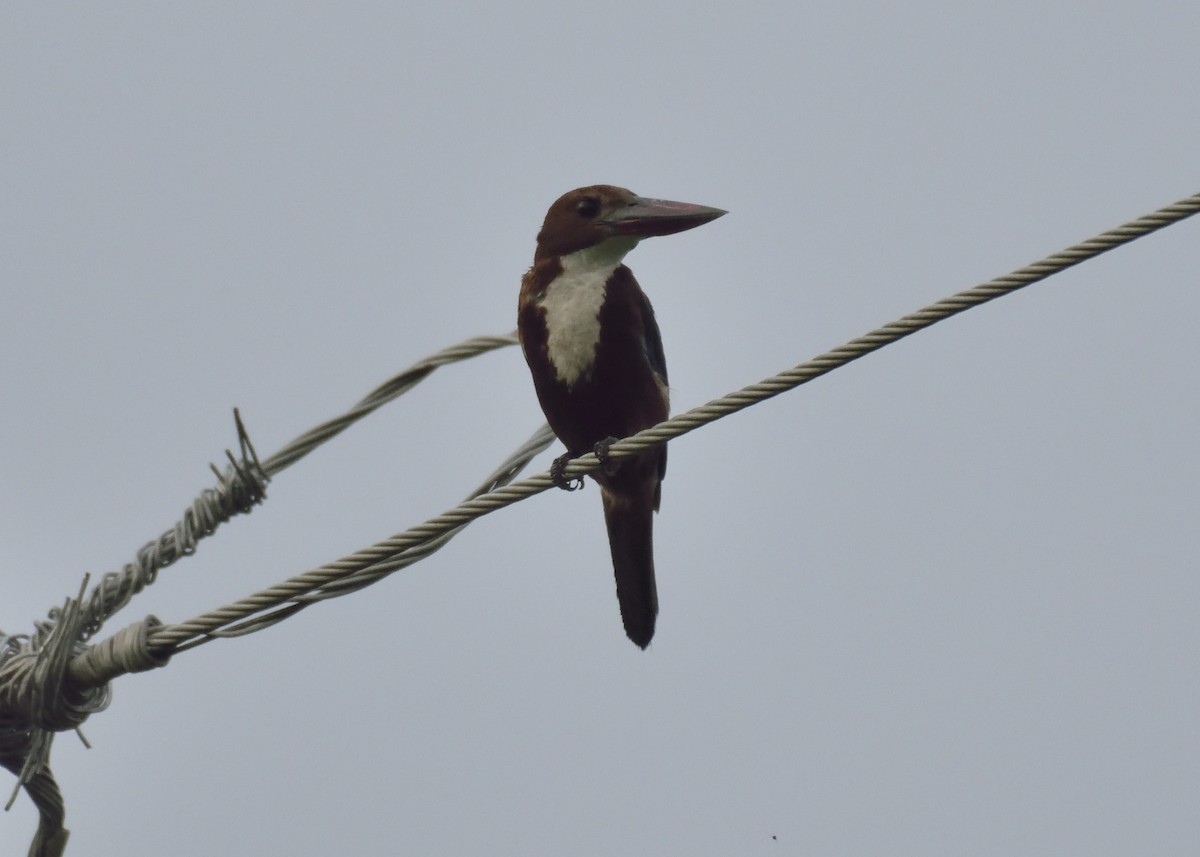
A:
(588, 216)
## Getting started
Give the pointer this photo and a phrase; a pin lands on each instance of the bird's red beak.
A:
(646, 218)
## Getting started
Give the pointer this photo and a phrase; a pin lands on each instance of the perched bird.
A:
(593, 348)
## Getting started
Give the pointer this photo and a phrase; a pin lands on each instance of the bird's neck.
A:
(602, 257)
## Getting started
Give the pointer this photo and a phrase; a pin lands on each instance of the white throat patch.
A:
(572, 304)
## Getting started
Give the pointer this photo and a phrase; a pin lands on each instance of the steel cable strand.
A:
(388, 555)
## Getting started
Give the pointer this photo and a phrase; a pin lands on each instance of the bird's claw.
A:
(558, 474)
(607, 463)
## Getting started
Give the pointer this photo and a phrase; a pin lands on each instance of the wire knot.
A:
(37, 699)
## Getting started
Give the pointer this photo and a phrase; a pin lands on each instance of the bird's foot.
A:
(558, 474)
(607, 463)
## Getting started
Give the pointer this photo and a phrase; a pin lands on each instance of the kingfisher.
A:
(594, 350)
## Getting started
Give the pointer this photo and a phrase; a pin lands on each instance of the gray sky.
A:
(942, 601)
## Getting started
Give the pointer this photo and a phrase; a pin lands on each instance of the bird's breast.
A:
(571, 304)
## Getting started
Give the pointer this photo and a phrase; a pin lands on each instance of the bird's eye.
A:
(588, 207)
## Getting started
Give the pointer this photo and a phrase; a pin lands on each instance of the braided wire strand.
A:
(376, 561)
(381, 395)
(242, 484)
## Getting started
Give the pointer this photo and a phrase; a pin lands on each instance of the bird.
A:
(594, 351)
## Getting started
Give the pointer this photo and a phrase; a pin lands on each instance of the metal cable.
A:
(371, 564)
(242, 484)
(384, 393)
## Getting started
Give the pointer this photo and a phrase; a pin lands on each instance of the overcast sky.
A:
(943, 601)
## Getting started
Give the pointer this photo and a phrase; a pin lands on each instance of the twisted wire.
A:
(372, 563)
(340, 578)
(242, 484)
(381, 395)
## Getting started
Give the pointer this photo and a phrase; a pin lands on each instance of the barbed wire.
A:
(357, 571)
(52, 680)
(243, 484)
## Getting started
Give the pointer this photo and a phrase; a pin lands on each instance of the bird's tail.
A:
(630, 519)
